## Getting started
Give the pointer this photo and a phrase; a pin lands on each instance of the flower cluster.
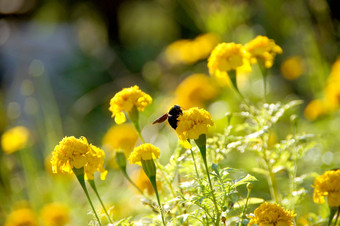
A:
(14, 139)
(126, 100)
(144, 152)
(77, 153)
(263, 49)
(192, 123)
(22, 216)
(189, 51)
(268, 214)
(328, 184)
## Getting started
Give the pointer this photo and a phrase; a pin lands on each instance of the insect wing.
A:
(161, 119)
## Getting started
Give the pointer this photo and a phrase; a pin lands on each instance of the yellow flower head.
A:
(144, 152)
(191, 124)
(263, 49)
(55, 214)
(77, 153)
(292, 68)
(315, 109)
(22, 216)
(95, 162)
(226, 57)
(143, 182)
(195, 90)
(125, 100)
(14, 139)
(328, 184)
(187, 51)
(121, 138)
(268, 214)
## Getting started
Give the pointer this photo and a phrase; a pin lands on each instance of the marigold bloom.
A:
(292, 68)
(144, 152)
(55, 214)
(190, 51)
(268, 214)
(14, 139)
(125, 100)
(226, 57)
(315, 109)
(195, 90)
(22, 216)
(328, 184)
(121, 138)
(263, 49)
(191, 124)
(77, 153)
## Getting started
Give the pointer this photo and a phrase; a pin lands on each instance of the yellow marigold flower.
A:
(22, 216)
(226, 57)
(190, 51)
(121, 138)
(125, 100)
(328, 184)
(14, 139)
(195, 90)
(263, 49)
(95, 162)
(268, 214)
(77, 153)
(292, 68)
(55, 214)
(144, 152)
(315, 109)
(191, 124)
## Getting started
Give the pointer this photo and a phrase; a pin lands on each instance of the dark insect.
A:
(172, 116)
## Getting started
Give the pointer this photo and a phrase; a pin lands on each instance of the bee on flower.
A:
(327, 185)
(268, 214)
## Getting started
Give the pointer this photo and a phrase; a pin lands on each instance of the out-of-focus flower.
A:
(314, 109)
(187, 51)
(22, 216)
(292, 68)
(226, 57)
(77, 153)
(191, 124)
(195, 90)
(144, 152)
(143, 182)
(263, 49)
(121, 138)
(328, 184)
(125, 100)
(268, 214)
(14, 139)
(55, 214)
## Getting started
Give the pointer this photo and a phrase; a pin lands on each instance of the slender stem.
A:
(80, 177)
(245, 207)
(337, 216)
(232, 76)
(263, 70)
(153, 182)
(212, 192)
(131, 182)
(193, 158)
(93, 186)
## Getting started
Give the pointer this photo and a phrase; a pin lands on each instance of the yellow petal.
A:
(120, 118)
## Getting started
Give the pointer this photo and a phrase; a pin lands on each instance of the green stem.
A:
(263, 70)
(80, 176)
(245, 207)
(134, 117)
(232, 76)
(337, 216)
(93, 186)
(131, 182)
(153, 182)
(197, 175)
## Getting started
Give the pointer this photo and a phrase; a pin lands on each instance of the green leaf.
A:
(215, 169)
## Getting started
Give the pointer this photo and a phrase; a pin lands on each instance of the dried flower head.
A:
(121, 138)
(328, 184)
(144, 152)
(77, 153)
(55, 214)
(125, 100)
(268, 214)
(191, 124)
(263, 49)
(22, 216)
(14, 139)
